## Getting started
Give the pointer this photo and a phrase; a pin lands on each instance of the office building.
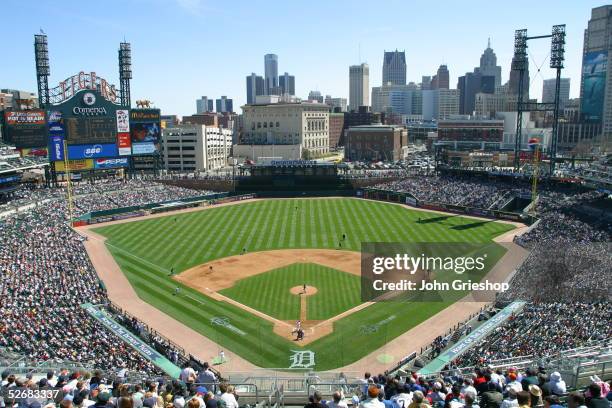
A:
(315, 96)
(425, 83)
(18, 99)
(359, 86)
(286, 84)
(303, 125)
(204, 105)
(168, 121)
(224, 105)
(375, 142)
(471, 84)
(394, 68)
(336, 125)
(6, 100)
(595, 84)
(396, 99)
(193, 147)
(513, 82)
(255, 86)
(447, 103)
(205, 118)
(488, 104)
(488, 64)
(548, 91)
(271, 73)
(336, 104)
(572, 134)
(441, 80)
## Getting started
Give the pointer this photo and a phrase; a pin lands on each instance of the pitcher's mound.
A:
(299, 290)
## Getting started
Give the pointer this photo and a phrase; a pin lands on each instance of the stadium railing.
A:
(182, 354)
(425, 352)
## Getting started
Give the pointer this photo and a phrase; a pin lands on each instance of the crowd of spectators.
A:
(542, 329)
(45, 274)
(567, 274)
(469, 192)
(480, 388)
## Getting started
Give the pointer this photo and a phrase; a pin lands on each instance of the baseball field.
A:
(241, 269)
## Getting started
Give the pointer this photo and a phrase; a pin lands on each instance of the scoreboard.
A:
(87, 130)
(26, 129)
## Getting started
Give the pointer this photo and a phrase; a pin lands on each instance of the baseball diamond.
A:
(194, 250)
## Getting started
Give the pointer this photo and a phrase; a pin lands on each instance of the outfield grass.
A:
(269, 292)
(147, 250)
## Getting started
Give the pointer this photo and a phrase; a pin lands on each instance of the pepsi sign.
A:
(110, 163)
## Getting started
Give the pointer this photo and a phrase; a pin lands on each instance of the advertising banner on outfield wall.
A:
(124, 143)
(115, 163)
(74, 165)
(56, 148)
(143, 148)
(123, 121)
(92, 151)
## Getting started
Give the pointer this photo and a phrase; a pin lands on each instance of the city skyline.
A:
(168, 72)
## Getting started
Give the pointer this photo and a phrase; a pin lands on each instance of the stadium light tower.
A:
(125, 73)
(557, 57)
(520, 63)
(41, 55)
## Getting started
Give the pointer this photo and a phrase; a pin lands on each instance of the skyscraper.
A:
(469, 85)
(286, 83)
(255, 86)
(513, 82)
(224, 105)
(425, 82)
(271, 73)
(204, 105)
(394, 68)
(488, 64)
(359, 86)
(548, 91)
(595, 103)
(315, 96)
(441, 80)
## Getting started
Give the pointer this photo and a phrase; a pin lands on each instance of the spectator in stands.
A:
(552, 401)
(337, 401)
(188, 374)
(372, 400)
(207, 377)
(536, 396)
(404, 397)
(314, 401)
(595, 399)
(576, 399)
(491, 398)
(555, 385)
(470, 400)
(530, 379)
(454, 397)
(418, 401)
(524, 399)
(228, 396)
(510, 401)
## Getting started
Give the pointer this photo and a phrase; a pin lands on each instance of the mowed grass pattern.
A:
(147, 250)
(269, 292)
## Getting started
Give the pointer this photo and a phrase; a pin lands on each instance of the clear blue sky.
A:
(183, 49)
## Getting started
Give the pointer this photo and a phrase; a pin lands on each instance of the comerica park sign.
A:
(83, 81)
